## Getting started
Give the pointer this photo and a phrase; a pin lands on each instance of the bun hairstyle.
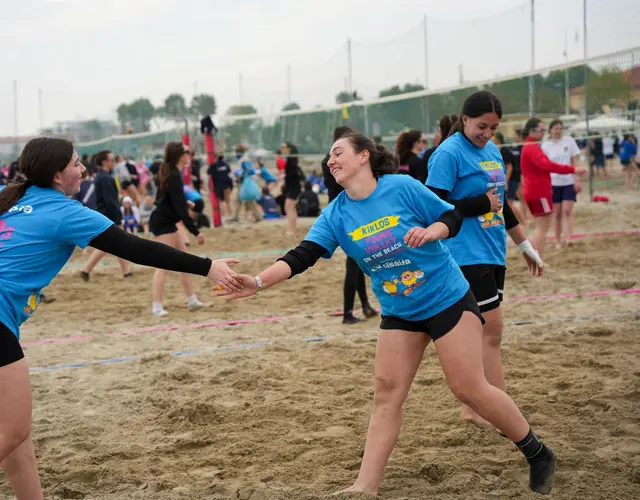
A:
(446, 124)
(405, 142)
(382, 160)
(41, 159)
(476, 105)
(172, 154)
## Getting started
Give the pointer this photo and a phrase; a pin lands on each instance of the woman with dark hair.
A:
(354, 277)
(41, 225)
(392, 226)
(467, 171)
(292, 185)
(445, 125)
(171, 208)
(565, 187)
(536, 179)
(408, 146)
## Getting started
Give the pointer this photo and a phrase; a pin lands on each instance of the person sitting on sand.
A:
(392, 226)
(44, 226)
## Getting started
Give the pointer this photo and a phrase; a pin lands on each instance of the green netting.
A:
(135, 145)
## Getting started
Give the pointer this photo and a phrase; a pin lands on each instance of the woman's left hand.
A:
(418, 236)
(224, 276)
(532, 258)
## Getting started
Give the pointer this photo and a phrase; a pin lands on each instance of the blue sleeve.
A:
(443, 171)
(322, 234)
(79, 224)
(428, 206)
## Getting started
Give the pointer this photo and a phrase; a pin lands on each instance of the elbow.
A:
(456, 225)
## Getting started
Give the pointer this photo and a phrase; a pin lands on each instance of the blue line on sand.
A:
(234, 347)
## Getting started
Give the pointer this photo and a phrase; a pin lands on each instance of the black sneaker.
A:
(349, 319)
(541, 473)
(84, 275)
(369, 312)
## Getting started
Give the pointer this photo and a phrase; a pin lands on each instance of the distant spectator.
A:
(308, 203)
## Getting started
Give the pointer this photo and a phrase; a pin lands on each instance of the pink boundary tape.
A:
(276, 319)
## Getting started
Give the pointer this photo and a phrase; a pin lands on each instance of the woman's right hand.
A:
(248, 287)
(495, 199)
(200, 239)
(580, 171)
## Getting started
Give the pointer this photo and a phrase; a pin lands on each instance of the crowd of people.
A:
(432, 241)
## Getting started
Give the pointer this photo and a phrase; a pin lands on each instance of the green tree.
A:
(610, 87)
(292, 106)
(345, 97)
(203, 105)
(141, 111)
(242, 109)
(124, 115)
(175, 106)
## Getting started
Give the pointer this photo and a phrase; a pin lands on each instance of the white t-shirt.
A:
(607, 146)
(562, 152)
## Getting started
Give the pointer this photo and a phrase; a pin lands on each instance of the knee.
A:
(15, 436)
(492, 332)
(567, 211)
(388, 393)
(465, 390)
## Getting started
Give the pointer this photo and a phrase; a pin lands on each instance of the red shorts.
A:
(540, 206)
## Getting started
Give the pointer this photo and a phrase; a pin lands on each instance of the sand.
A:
(287, 420)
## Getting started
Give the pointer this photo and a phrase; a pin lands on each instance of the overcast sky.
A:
(88, 56)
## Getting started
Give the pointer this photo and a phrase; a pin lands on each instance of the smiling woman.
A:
(392, 226)
(40, 226)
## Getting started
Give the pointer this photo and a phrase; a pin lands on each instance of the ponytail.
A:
(10, 195)
(384, 162)
(163, 176)
(458, 126)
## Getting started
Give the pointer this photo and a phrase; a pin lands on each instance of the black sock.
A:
(532, 448)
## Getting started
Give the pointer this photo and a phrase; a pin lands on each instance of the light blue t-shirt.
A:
(411, 283)
(191, 194)
(37, 237)
(466, 171)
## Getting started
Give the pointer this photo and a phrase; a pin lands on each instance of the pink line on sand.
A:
(275, 319)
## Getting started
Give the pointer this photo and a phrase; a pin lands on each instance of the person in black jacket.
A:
(293, 178)
(171, 208)
(408, 145)
(108, 204)
(354, 277)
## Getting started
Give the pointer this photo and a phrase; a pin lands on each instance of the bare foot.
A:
(468, 416)
(356, 492)
(559, 246)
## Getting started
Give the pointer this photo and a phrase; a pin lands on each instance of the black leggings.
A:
(354, 280)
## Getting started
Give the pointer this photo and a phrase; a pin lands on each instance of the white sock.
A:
(156, 306)
(192, 299)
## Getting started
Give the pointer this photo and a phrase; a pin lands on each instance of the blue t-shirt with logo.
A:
(411, 283)
(191, 194)
(37, 237)
(466, 171)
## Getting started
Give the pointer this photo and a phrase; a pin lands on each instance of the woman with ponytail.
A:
(171, 208)
(40, 227)
(445, 125)
(392, 225)
(467, 170)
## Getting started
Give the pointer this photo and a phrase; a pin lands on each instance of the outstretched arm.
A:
(296, 261)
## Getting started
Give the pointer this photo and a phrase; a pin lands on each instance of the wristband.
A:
(525, 245)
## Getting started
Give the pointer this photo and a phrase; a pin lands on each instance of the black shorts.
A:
(10, 349)
(198, 206)
(439, 325)
(487, 284)
(159, 225)
(292, 191)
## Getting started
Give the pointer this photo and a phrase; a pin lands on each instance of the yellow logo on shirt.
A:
(374, 227)
(490, 165)
(32, 304)
(491, 219)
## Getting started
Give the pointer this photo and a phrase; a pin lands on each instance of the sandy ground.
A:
(287, 420)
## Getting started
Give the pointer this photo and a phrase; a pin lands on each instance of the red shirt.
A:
(536, 169)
